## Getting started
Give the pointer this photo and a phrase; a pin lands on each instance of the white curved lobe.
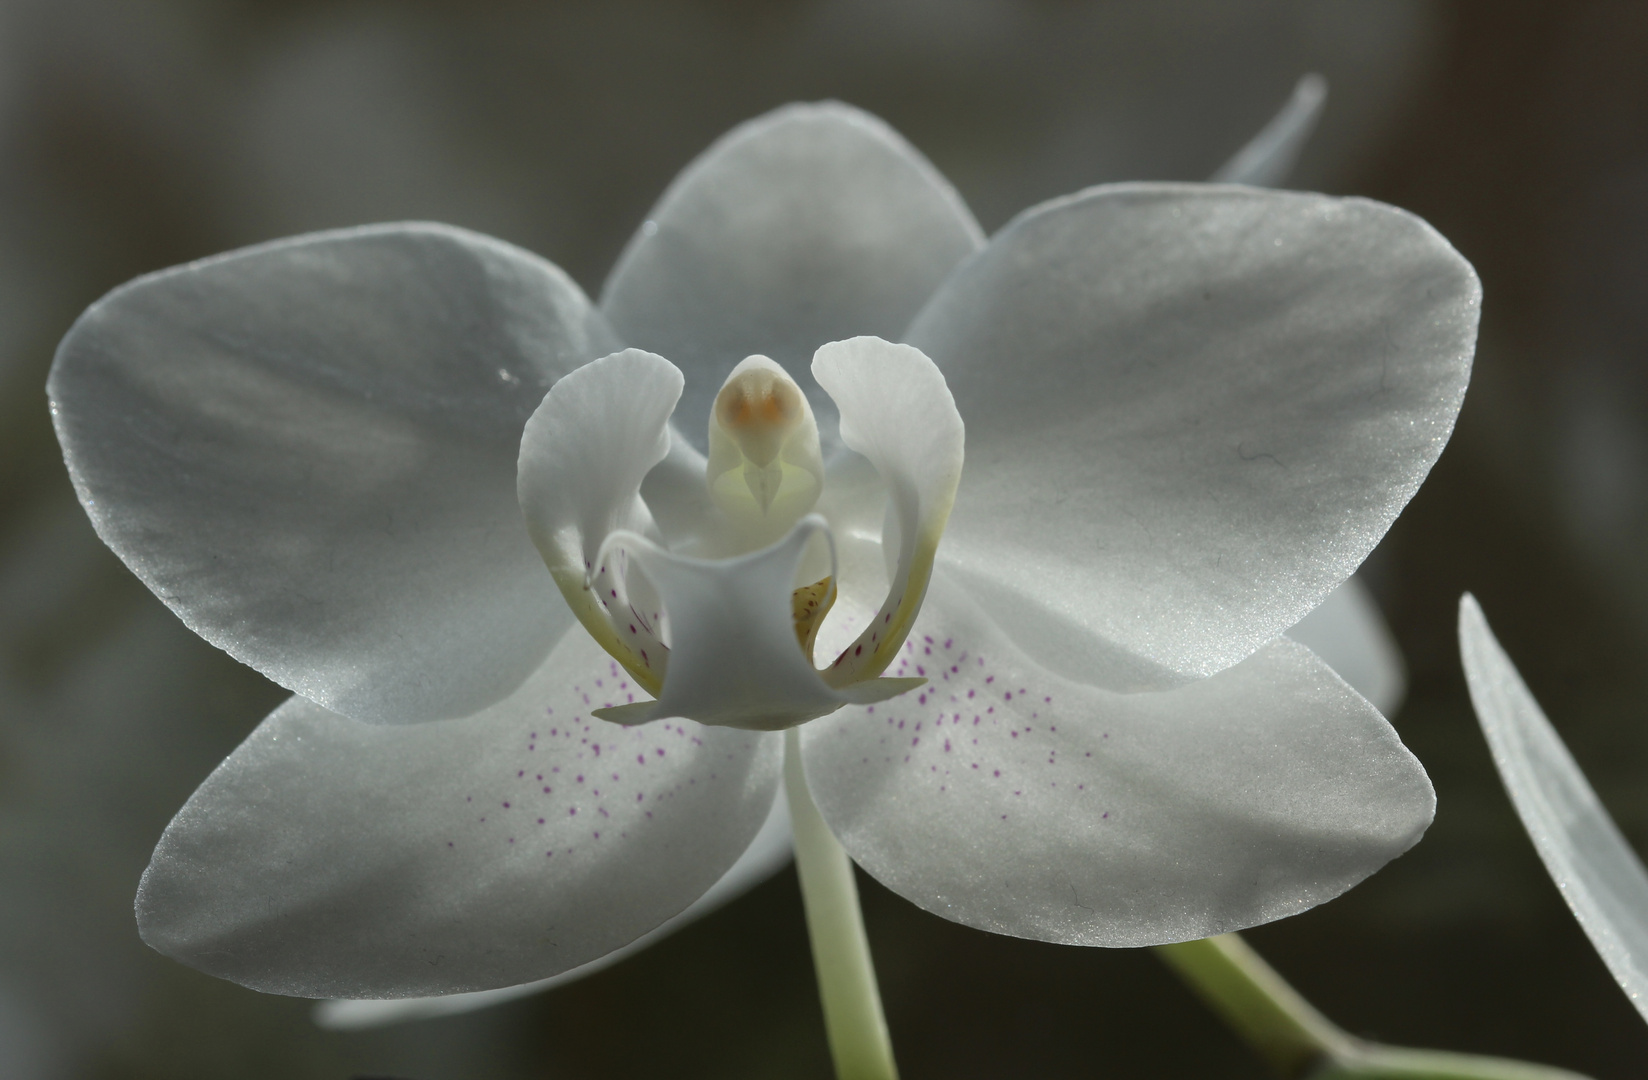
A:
(588, 446)
(583, 456)
(897, 412)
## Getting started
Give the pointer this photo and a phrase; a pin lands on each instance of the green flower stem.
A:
(1299, 1042)
(1248, 994)
(853, 1022)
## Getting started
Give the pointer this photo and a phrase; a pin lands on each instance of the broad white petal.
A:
(1348, 631)
(583, 456)
(767, 854)
(735, 658)
(1268, 157)
(898, 415)
(1599, 875)
(1191, 413)
(809, 224)
(330, 858)
(307, 450)
(1008, 798)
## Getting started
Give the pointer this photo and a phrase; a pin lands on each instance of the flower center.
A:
(726, 636)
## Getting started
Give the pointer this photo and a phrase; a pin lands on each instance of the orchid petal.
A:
(1199, 408)
(1348, 632)
(1011, 799)
(583, 456)
(1269, 156)
(307, 450)
(806, 225)
(735, 659)
(767, 854)
(1600, 877)
(897, 413)
(329, 858)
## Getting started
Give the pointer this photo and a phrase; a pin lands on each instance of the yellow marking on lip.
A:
(868, 656)
(809, 604)
(647, 668)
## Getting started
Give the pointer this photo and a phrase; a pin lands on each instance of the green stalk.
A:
(853, 1022)
(1248, 994)
(1299, 1042)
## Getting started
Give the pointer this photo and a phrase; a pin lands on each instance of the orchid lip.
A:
(731, 664)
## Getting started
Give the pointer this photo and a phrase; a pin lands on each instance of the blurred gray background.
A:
(134, 136)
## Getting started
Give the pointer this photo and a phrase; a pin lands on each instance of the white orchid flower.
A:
(1190, 412)
(1346, 630)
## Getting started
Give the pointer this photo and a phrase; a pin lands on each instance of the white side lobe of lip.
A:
(583, 456)
(897, 412)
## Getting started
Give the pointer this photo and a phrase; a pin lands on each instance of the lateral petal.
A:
(307, 450)
(1191, 413)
